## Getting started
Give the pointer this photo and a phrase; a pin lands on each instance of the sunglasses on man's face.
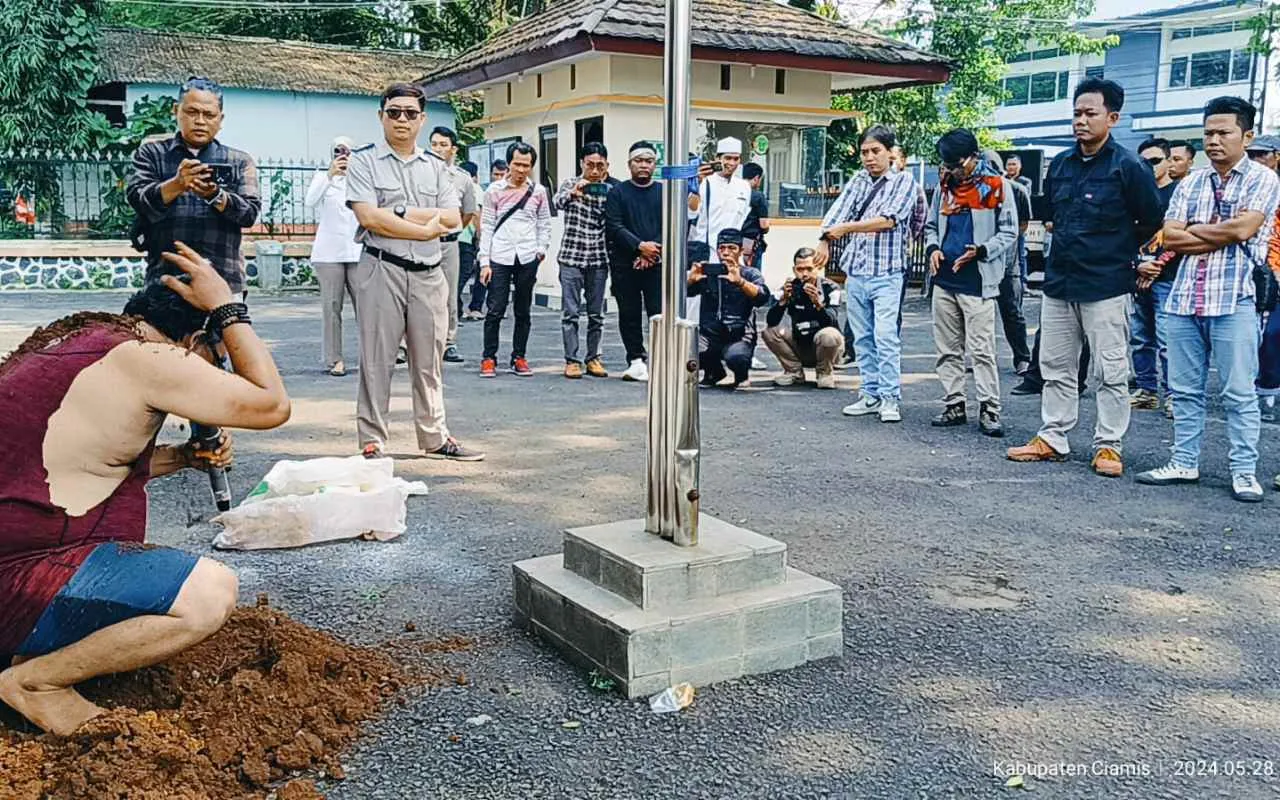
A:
(409, 114)
(338, 152)
(1154, 161)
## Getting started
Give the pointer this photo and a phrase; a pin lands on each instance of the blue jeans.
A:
(873, 314)
(1230, 345)
(1148, 339)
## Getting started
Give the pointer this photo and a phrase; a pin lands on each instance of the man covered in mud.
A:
(81, 403)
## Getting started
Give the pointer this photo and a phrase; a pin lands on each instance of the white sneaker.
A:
(827, 381)
(1169, 474)
(757, 363)
(1245, 488)
(864, 406)
(889, 411)
(638, 371)
(788, 379)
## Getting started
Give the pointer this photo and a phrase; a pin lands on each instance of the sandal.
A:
(338, 369)
(372, 450)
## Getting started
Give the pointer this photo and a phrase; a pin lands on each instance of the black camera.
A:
(224, 175)
(714, 269)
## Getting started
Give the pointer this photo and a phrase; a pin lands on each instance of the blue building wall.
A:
(1133, 64)
(295, 127)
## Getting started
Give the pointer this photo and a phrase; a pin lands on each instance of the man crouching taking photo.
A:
(812, 336)
(81, 403)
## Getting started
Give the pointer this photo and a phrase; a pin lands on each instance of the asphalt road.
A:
(995, 613)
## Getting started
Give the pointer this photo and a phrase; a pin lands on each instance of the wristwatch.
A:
(217, 198)
(400, 211)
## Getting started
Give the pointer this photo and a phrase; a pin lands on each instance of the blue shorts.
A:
(118, 581)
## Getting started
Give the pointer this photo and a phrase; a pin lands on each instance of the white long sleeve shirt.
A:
(335, 240)
(525, 236)
(725, 204)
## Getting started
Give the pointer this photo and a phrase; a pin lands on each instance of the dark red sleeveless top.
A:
(41, 546)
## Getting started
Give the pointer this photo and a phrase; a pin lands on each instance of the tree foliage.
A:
(48, 61)
(979, 37)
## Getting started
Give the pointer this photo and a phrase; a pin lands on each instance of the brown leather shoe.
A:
(595, 368)
(1107, 463)
(1035, 450)
(573, 370)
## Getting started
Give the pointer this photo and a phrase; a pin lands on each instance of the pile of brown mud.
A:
(240, 715)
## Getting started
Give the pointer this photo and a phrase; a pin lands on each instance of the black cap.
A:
(729, 236)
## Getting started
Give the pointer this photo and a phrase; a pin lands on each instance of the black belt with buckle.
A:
(450, 237)
(399, 261)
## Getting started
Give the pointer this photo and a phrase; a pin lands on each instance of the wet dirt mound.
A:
(231, 719)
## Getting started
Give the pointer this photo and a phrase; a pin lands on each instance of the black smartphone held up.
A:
(714, 269)
(596, 189)
(224, 175)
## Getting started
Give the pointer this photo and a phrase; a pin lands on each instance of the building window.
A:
(779, 81)
(1017, 89)
(1042, 87)
(548, 155)
(1095, 72)
(1211, 68)
(1037, 55)
(109, 101)
(1241, 65)
(573, 77)
(539, 84)
(590, 129)
(724, 78)
(508, 93)
(1208, 30)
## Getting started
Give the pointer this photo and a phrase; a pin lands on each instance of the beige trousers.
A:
(397, 304)
(1064, 328)
(963, 324)
(337, 278)
(451, 263)
(820, 354)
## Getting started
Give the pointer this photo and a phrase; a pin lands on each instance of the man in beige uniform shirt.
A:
(444, 143)
(405, 200)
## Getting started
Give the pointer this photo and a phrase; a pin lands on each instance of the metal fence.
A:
(82, 196)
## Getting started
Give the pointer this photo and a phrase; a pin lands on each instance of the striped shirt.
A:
(1212, 284)
(883, 252)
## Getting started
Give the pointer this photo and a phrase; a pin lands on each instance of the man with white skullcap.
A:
(723, 200)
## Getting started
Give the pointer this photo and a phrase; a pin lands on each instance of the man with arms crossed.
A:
(81, 402)
(405, 200)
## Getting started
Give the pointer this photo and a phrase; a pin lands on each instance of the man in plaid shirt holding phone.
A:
(584, 258)
(191, 188)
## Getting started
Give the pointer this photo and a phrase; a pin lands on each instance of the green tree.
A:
(47, 66)
(979, 37)
(357, 27)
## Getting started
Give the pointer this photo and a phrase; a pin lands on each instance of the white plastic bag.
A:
(324, 499)
(672, 699)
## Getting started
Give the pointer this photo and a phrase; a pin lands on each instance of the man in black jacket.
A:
(1105, 206)
(812, 337)
(633, 227)
(730, 294)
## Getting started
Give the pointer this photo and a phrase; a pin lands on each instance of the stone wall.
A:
(100, 272)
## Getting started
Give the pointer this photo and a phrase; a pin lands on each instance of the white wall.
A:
(291, 126)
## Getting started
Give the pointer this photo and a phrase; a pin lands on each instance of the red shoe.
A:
(488, 368)
(520, 367)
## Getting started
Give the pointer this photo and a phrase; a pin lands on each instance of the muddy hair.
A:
(68, 327)
(165, 311)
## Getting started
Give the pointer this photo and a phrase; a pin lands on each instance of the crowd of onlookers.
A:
(1155, 274)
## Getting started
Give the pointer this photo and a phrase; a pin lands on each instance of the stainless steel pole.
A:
(674, 440)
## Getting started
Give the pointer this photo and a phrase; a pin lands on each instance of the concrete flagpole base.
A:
(651, 614)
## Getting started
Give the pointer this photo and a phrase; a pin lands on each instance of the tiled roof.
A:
(742, 25)
(142, 56)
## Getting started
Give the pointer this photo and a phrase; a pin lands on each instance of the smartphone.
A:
(596, 189)
(714, 269)
(716, 166)
(224, 175)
